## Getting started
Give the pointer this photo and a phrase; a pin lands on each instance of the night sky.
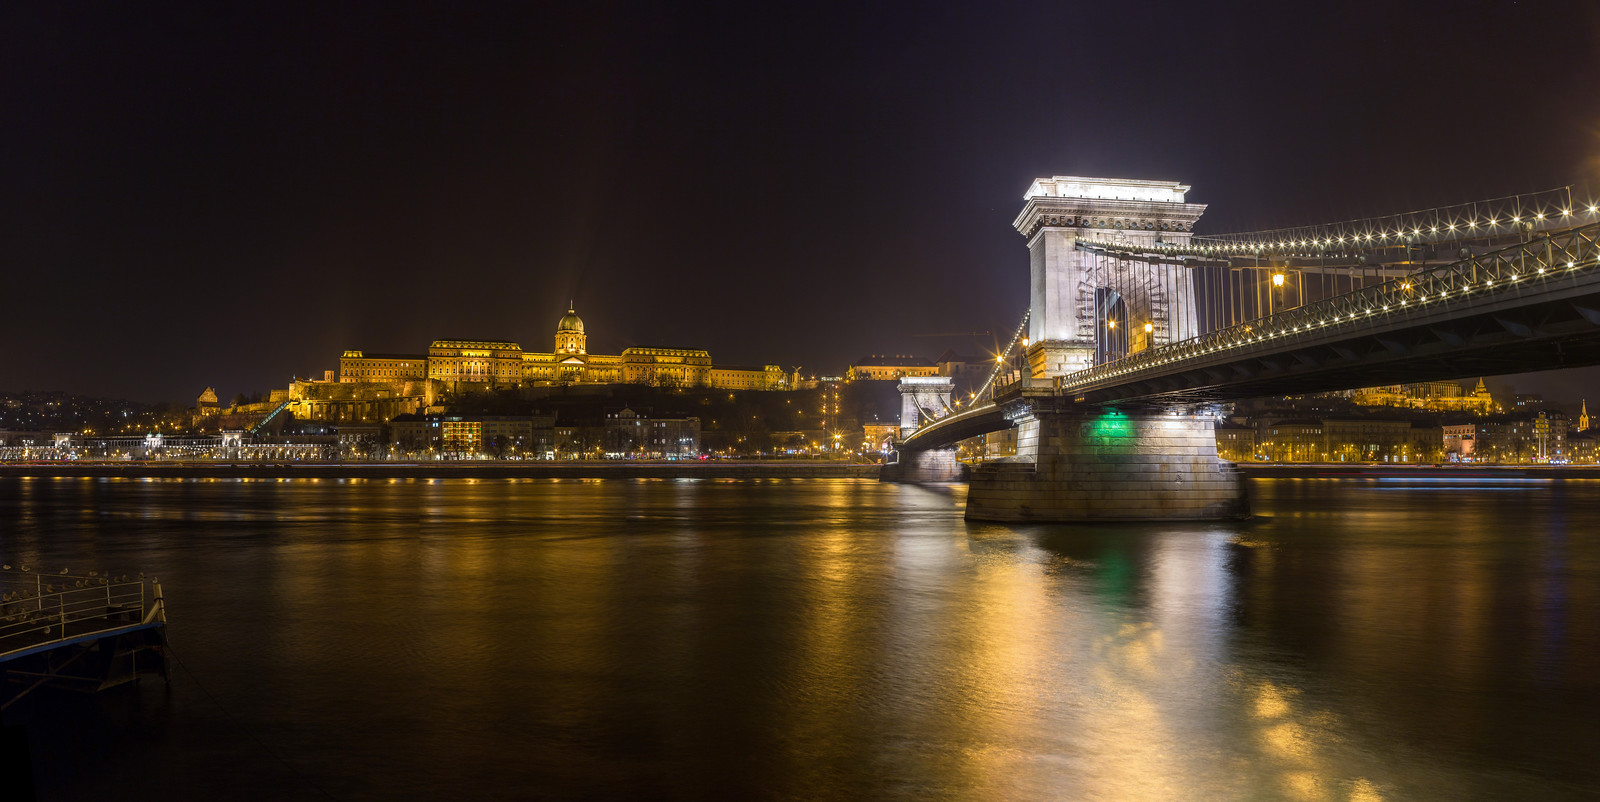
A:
(231, 194)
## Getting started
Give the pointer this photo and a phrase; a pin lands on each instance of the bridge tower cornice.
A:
(1097, 214)
(1067, 201)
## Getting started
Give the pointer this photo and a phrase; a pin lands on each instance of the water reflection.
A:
(842, 639)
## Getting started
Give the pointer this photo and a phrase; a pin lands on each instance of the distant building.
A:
(1512, 440)
(1583, 417)
(207, 404)
(1291, 441)
(413, 433)
(1583, 448)
(757, 377)
(358, 366)
(499, 435)
(23, 438)
(478, 364)
(530, 436)
(890, 368)
(356, 440)
(475, 365)
(1348, 440)
(1460, 441)
(1365, 440)
(375, 401)
(1432, 396)
(1236, 442)
(629, 435)
(967, 373)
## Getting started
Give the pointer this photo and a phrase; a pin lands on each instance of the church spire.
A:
(1583, 417)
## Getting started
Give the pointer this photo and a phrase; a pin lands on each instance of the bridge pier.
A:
(1108, 464)
(924, 397)
(934, 466)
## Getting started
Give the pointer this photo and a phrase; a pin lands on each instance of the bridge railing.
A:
(1552, 258)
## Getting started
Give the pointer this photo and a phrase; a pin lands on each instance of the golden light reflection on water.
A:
(853, 640)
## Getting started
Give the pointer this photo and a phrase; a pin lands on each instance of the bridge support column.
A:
(924, 398)
(935, 466)
(1077, 464)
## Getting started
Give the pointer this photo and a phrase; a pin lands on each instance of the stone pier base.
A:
(1109, 465)
(925, 467)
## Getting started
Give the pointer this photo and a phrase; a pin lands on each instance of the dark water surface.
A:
(843, 639)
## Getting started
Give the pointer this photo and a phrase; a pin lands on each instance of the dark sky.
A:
(230, 194)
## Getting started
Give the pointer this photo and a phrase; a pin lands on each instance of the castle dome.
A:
(570, 321)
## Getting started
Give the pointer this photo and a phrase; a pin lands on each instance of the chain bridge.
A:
(1138, 328)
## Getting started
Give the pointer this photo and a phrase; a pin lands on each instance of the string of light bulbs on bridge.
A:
(1400, 293)
(1493, 217)
(1000, 359)
(1372, 232)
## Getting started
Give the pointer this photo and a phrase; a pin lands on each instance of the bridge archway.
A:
(1110, 325)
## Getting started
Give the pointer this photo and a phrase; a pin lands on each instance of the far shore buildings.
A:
(1442, 396)
(469, 365)
(967, 373)
(371, 387)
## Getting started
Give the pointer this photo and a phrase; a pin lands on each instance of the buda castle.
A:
(471, 365)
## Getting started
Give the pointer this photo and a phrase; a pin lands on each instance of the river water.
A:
(830, 639)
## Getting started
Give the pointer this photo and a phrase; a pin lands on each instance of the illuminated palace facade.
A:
(491, 364)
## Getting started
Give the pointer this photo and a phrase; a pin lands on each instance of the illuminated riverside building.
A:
(469, 365)
(1537, 438)
(1347, 440)
(888, 368)
(1432, 396)
(1236, 442)
(629, 435)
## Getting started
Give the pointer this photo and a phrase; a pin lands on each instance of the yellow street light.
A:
(1111, 323)
(1149, 327)
(1277, 279)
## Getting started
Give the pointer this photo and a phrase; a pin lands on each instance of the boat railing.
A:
(39, 608)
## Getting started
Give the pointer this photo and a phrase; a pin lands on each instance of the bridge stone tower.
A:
(924, 397)
(1077, 462)
(1065, 282)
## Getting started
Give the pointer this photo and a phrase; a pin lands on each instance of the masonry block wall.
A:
(934, 466)
(1108, 464)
